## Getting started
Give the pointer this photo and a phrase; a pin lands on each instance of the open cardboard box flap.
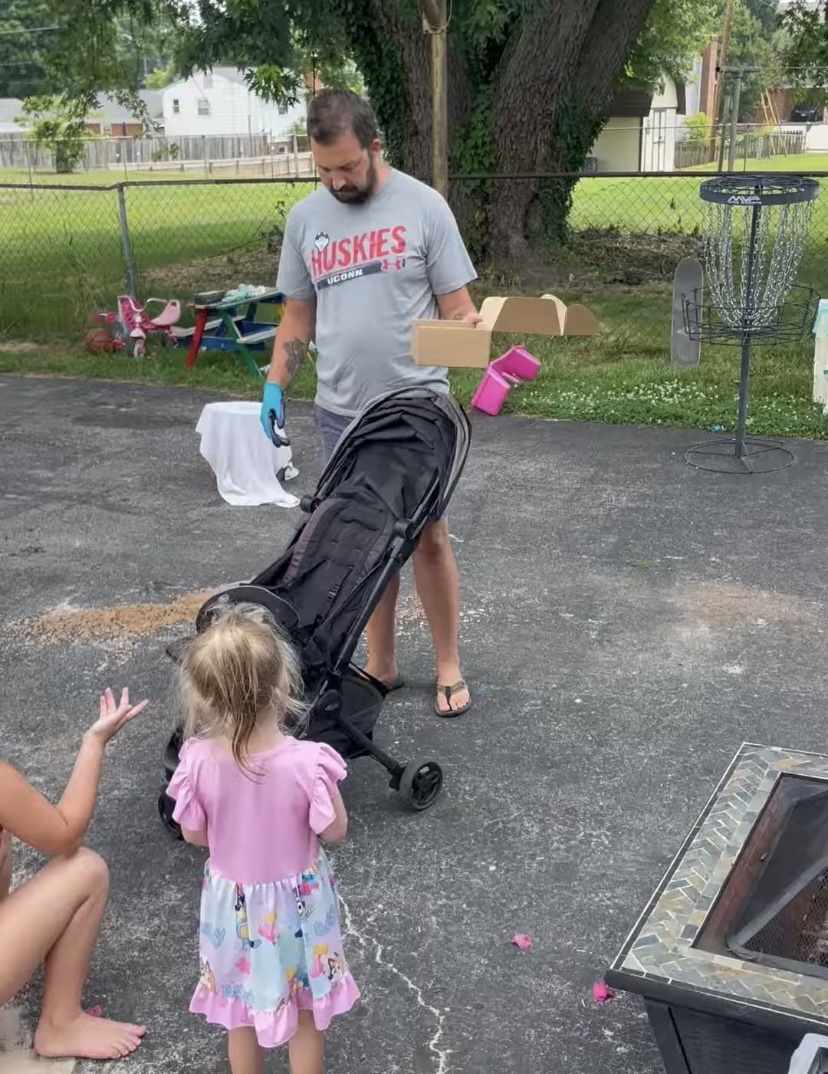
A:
(545, 316)
(458, 344)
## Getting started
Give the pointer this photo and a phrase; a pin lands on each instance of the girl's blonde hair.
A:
(236, 669)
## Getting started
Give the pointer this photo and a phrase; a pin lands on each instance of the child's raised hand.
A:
(113, 716)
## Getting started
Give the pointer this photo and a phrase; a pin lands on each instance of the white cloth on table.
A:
(244, 462)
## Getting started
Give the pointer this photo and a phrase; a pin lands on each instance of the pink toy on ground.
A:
(131, 323)
(517, 362)
(514, 367)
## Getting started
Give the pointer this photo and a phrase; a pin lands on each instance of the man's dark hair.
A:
(334, 112)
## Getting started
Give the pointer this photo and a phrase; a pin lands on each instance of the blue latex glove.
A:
(273, 411)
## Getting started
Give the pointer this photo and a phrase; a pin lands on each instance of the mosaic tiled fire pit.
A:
(731, 953)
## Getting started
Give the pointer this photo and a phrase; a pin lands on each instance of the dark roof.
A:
(630, 103)
(635, 102)
(109, 111)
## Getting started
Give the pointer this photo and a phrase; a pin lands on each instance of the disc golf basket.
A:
(754, 234)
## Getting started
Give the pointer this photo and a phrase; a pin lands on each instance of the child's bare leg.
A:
(244, 1051)
(307, 1047)
(54, 918)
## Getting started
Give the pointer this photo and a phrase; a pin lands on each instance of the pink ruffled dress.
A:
(270, 942)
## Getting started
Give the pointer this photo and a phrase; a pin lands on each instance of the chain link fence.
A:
(188, 156)
(66, 251)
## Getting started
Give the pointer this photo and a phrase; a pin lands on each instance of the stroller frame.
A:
(419, 782)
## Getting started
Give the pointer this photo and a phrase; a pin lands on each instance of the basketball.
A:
(99, 340)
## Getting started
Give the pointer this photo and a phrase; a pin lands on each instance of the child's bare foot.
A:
(87, 1037)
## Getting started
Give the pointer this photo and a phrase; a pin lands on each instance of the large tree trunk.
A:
(553, 85)
(397, 30)
(550, 92)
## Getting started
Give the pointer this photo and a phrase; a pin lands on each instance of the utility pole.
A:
(435, 26)
(734, 121)
(716, 118)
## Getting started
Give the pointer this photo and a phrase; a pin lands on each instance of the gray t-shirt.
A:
(374, 268)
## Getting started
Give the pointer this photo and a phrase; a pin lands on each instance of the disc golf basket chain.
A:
(755, 231)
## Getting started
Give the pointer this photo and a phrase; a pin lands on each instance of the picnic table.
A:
(230, 324)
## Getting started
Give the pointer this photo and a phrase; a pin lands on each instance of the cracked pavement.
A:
(627, 622)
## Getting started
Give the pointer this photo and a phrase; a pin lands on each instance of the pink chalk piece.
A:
(521, 940)
(94, 1012)
(601, 991)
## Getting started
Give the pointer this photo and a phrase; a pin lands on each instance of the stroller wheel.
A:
(421, 783)
(165, 811)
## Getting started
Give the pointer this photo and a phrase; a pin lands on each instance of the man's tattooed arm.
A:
(293, 337)
(295, 352)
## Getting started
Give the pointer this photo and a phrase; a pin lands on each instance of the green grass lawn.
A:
(577, 382)
(663, 203)
(61, 257)
(796, 162)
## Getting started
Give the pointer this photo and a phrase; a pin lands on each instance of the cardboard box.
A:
(459, 345)
(451, 343)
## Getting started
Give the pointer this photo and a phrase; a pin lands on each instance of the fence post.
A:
(126, 245)
(29, 166)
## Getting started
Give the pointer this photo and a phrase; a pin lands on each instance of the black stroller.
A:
(395, 469)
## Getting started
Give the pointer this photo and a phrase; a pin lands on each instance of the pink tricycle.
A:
(130, 324)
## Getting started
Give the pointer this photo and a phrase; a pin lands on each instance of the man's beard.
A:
(356, 195)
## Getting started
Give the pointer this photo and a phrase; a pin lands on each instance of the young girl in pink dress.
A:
(272, 964)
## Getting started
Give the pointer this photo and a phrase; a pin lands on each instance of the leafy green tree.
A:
(766, 12)
(24, 33)
(159, 77)
(674, 35)
(530, 81)
(751, 48)
(57, 128)
(530, 84)
(804, 52)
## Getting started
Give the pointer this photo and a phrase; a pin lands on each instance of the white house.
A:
(220, 103)
(640, 135)
(10, 111)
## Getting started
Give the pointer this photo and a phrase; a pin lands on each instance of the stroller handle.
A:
(275, 421)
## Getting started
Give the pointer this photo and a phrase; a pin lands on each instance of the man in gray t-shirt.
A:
(362, 257)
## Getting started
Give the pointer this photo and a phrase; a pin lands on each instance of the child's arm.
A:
(338, 828)
(198, 839)
(60, 829)
(34, 820)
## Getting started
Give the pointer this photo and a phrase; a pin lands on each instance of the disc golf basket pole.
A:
(755, 231)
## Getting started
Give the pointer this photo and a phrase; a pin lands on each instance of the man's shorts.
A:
(331, 427)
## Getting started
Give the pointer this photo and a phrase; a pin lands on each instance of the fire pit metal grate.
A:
(784, 922)
(797, 933)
